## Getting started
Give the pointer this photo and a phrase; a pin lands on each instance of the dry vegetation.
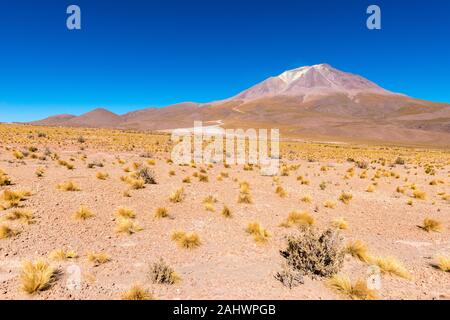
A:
(118, 198)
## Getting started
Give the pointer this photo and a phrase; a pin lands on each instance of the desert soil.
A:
(229, 264)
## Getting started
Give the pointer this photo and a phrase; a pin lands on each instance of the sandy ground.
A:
(228, 264)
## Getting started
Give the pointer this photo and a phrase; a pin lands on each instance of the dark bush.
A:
(316, 255)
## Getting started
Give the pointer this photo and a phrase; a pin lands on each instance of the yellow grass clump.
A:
(260, 235)
(68, 186)
(102, 175)
(359, 250)
(128, 226)
(392, 266)
(298, 218)
(177, 196)
(355, 291)
(329, 204)
(421, 195)
(306, 199)
(123, 212)
(61, 254)
(18, 155)
(187, 180)
(281, 192)
(245, 198)
(137, 184)
(12, 198)
(244, 187)
(226, 212)
(340, 223)
(126, 193)
(431, 225)
(161, 213)
(37, 276)
(39, 172)
(346, 197)
(186, 240)
(6, 232)
(137, 292)
(443, 263)
(98, 258)
(83, 213)
(4, 179)
(24, 216)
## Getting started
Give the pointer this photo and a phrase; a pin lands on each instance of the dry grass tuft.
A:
(162, 273)
(421, 195)
(161, 213)
(298, 218)
(39, 172)
(306, 199)
(128, 226)
(123, 212)
(186, 240)
(68, 186)
(358, 250)
(340, 223)
(392, 266)
(83, 213)
(244, 187)
(177, 196)
(137, 292)
(259, 234)
(61, 254)
(245, 198)
(6, 232)
(4, 179)
(146, 175)
(18, 155)
(329, 204)
(98, 258)
(102, 175)
(187, 180)
(136, 184)
(443, 263)
(281, 192)
(24, 216)
(431, 225)
(355, 291)
(226, 212)
(12, 198)
(37, 276)
(346, 197)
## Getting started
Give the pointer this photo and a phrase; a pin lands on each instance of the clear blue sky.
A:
(135, 53)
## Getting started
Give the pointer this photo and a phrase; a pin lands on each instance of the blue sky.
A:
(135, 53)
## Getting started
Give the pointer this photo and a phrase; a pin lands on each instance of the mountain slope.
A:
(316, 80)
(317, 102)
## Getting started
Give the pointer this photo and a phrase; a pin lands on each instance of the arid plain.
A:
(111, 203)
